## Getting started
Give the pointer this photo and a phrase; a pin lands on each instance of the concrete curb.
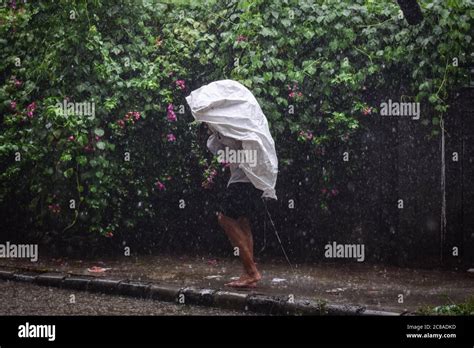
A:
(259, 303)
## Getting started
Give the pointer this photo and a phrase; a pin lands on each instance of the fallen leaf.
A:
(96, 269)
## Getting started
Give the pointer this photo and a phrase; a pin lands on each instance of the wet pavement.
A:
(373, 286)
(28, 299)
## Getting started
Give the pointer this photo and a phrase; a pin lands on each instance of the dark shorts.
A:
(240, 199)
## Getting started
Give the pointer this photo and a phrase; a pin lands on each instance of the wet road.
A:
(377, 287)
(28, 299)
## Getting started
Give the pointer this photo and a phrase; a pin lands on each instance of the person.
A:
(236, 124)
(239, 203)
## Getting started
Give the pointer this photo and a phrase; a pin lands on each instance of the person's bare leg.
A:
(245, 226)
(239, 239)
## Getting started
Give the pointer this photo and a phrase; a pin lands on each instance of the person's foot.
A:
(245, 281)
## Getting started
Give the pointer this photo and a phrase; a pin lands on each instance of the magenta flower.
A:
(89, 148)
(170, 137)
(160, 186)
(241, 38)
(71, 138)
(225, 164)
(294, 93)
(181, 84)
(121, 123)
(305, 135)
(334, 192)
(54, 208)
(17, 83)
(32, 106)
(30, 109)
(367, 111)
(171, 116)
(13, 104)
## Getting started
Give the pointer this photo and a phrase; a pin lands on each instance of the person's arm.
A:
(214, 144)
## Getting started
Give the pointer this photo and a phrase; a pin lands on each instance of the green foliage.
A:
(316, 67)
(464, 308)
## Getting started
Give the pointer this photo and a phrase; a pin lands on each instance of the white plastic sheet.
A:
(231, 110)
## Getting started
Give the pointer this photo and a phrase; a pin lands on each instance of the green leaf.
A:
(69, 172)
(99, 132)
(65, 157)
(100, 145)
(57, 133)
(82, 160)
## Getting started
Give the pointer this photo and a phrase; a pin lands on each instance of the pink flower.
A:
(225, 164)
(294, 93)
(305, 135)
(170, 137)
(71, 138)
(160, 186)
(15, 82)
(171, 116)
(121, 123)
(89, 148)
(367, 111)
(136, 115)
(334, 192)
(181, 84)
(54, 208)
(241, 38)
(30, 109)
(109, 234)
(13, 104)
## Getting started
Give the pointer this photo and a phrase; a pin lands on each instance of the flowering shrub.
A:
(318, 69)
